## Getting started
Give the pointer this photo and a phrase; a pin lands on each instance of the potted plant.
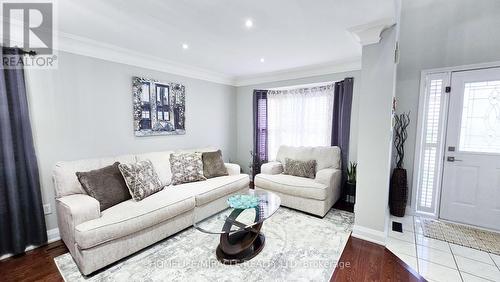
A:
(398, 194)
(351, 183)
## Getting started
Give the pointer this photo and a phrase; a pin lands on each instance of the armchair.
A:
(315, 196)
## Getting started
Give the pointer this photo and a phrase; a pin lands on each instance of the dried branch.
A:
(400, 135)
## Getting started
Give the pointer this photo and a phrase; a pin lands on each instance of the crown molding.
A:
(370, 33)
(87, 47)
(353, 64)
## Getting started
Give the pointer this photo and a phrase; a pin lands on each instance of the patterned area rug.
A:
(462, 235)
(299, 247)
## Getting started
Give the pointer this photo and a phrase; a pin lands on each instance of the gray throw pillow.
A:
(106, 185)
(300, 168)
(186, 167)
(213, 165)
(141, 179)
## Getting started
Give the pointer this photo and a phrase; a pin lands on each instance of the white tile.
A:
(403, 236)
(477, 268)
(471, 253)
(496, 258)
(406, 221)
(437, 272)
(436, 256)
(418, 228)
(402, 247)
(432, 243)
(472, 278)
(409, 260)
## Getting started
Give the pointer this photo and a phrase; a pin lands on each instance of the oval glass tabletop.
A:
(231, 220)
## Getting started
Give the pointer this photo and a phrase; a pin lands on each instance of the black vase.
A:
(350, 192)
(398, 194)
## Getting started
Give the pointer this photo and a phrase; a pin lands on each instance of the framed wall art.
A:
(159, 108)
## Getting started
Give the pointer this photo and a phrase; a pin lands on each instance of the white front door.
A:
(471, 174)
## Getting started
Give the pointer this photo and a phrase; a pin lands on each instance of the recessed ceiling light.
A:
(249, 23)
(185, 46)
(262, 60)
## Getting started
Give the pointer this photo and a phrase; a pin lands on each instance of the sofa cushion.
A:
(132, 216)
(326, 157)
(300, 168)
(186, 167)
(213, 165)
(161, 164)
(213, 188)
(292, 185)
(141, 178)
(65, 180)
(106, 185)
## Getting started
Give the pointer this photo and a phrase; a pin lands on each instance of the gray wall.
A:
(84, 110)
(244, 110)
(441, 33)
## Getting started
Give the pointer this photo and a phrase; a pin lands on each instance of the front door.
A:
(471, 174)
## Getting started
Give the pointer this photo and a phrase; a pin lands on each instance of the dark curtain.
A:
(22, 221)
(342, 120)
(259, 153)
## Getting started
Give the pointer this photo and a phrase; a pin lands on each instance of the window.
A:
(432, 132)
(480, 127)
(299, 117)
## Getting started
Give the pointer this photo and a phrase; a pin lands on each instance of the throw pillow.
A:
(213, 165)
(300, 168)
(186, 167)
(141, 179)
(106, 185)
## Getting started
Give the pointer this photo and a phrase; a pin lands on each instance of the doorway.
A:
(458, 157)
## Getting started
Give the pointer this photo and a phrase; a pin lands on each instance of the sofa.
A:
(96, 239)
(315, 196)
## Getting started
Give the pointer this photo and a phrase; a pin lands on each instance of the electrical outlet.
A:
(47, 209)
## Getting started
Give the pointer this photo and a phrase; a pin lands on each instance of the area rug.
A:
(299, 247)
(462, 235)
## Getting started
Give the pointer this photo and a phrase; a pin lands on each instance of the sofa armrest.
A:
(73, 210)
(330, 177)
(271, 168)
(232, 169)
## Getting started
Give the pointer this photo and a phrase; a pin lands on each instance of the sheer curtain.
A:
(299, 117)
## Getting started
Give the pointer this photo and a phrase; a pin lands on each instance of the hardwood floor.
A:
(360, 261)
(35, 265)
(365, 261)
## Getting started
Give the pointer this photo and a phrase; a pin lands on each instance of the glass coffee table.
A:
(239, 229)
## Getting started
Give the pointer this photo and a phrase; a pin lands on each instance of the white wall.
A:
(244, 111)
(441, 33)
(84, 110)
(375, 138)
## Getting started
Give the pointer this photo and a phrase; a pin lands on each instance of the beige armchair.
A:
(315, 196)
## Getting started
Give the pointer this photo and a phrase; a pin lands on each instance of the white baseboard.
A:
(52, 236)
(368, 234)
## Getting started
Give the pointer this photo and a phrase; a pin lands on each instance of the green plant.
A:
(351, 173)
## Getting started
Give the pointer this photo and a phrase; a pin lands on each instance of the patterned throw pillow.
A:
(300, 168)
(186, 167)
(141, 179)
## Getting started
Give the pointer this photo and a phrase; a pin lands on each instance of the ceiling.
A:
(288, 34)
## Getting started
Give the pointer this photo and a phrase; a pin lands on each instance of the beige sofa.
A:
(96, 239)
(315, 196)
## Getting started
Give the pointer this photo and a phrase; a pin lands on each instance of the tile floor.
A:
(440, 261)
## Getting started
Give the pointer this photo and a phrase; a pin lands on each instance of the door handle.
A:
(452, 159)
